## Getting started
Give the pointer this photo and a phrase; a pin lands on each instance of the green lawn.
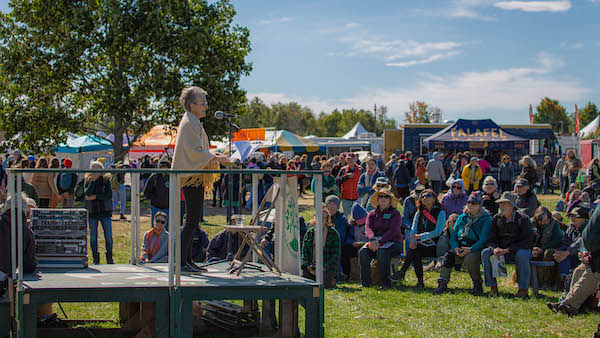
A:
(351, 311)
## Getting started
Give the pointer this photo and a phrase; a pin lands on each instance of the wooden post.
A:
(268, 320)
(288, 318)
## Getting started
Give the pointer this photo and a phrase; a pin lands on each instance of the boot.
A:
(522, 293)
(96, 258)
(109, 258)
(398, 276)
(442, 286)
(494, 290)
(477, 289)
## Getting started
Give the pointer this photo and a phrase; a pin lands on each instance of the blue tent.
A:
(84, 144)
(474, 134)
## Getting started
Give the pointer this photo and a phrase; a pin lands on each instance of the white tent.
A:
(355, 131)
(590, 128)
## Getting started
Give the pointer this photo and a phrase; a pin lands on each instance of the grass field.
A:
(351, 311)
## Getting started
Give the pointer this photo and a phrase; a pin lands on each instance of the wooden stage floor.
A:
(149, 283)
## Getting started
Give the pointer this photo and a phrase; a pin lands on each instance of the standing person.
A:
(435, 171)
(468, 238)
(155, 244)
(383, 230)
(66, 183)
(390, 166)
(401, 179)
(316, 163)
(485, 165)
(56, 199)
(572, 166)
(427, 226)
(367, 180)
(98, 194)
(329, 185)
(411, 167)
(510, 236)
(529, 170)
(347, 179)
(192, 152)
(548, 172)
(558, 173)
(421, 172)
(455, 199)
(44, 184)
(472, 175)
(506, 171)
(490, 195)
(119, 193)
(157, 191)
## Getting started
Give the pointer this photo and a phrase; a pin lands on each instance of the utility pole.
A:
(375, 115)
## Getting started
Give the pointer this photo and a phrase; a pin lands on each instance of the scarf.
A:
(471, 219)
(152, 242)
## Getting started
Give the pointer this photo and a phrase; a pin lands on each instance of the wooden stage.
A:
(149, 283)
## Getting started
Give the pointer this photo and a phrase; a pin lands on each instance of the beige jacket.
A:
(192, 152)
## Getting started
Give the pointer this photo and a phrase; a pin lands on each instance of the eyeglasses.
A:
(384, 196)
(160, 222)
(457, 187)
(472, 203)
(427, 195)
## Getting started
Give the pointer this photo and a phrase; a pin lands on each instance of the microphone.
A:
(219, 115)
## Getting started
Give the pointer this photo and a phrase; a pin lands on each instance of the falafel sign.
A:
(474, 134)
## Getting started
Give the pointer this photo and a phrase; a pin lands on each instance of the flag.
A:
(577, 126)
(530, 115)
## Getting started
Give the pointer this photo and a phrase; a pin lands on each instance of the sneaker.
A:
(477, 290)
(397, 277)
(123, 217)
(385, 286)
(522, 293)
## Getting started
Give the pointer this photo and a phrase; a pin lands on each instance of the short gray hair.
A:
(190, 95)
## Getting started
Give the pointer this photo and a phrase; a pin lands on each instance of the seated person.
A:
(490, 195)
(548, 237)
(29, 258)
(574, 200)
(409, 208)
(155, 245)
(199, 245)
(510, 236)
(567, 254)
(584, 284)
(356, 237)
(331, 252)
(455, 199)
(468, 238)
(383, 229)
(380, 183)
(593, 191)
(527, 201)
(558, 217)
(225, 245)
(428, 223)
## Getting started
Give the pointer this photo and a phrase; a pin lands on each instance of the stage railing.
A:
(15, 179)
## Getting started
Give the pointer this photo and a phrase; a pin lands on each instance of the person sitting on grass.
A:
(510, 236)
(567, 254)
(468, 238)
(427, 227)
(331, 252)
(384, 232)
(155, 245)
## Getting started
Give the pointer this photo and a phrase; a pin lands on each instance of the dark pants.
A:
(436, 186)
(384, 258)
(414, 257)
(506, 186)
(194, 196)
(348, 252)
(328, 277)
(44, 202)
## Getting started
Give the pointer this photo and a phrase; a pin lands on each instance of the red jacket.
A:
(349, 186)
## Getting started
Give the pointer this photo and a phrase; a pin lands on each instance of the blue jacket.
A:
(479, 232)
(367, 187)
(341, 226)
(408, 212)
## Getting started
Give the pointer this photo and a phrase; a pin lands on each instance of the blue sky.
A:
(471, 58)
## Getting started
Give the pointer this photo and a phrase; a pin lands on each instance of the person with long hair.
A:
(421, 172)
(506, 171)
(427, 226)
(331, 251)
(529, 170)
(44, 184)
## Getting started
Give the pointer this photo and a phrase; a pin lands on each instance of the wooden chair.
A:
(251, 232)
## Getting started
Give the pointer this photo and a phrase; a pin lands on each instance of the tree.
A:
(588, 114)
(420, 112)
(550, 111)
(115, 66)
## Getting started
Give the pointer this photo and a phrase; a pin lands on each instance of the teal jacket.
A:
(479, 232)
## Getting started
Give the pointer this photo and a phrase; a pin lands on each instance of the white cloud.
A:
(502, 94)
(535, 6)
(276, 20)
(572, 45)
(428, 59)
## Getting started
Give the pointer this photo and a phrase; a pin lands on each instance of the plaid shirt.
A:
(331, 251)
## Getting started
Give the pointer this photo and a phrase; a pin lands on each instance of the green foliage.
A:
(301, 120)
(114, 66)
(420, 112)
(550, 111)
(587, 114)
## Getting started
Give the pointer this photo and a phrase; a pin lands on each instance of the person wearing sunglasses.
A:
(329, 185)
(155, 245)
(467, 239)
(490, 195)
(455, 199)
(427, 227)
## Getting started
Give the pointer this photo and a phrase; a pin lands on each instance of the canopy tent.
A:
(590, 128)
(474, 134)
(84, 144)
(284, 140)
(158, 140)
(355, 131)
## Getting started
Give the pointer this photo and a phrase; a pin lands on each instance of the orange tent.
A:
(158, 141)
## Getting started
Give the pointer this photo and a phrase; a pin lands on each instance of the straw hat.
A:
(374, 200)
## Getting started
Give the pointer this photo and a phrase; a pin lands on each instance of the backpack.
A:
(65, 181)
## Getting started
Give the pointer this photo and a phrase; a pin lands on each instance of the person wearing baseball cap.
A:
(347, 179)
(566, 254)
(527, 201)
(66, 183)
(511, 236)
(468, 238)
